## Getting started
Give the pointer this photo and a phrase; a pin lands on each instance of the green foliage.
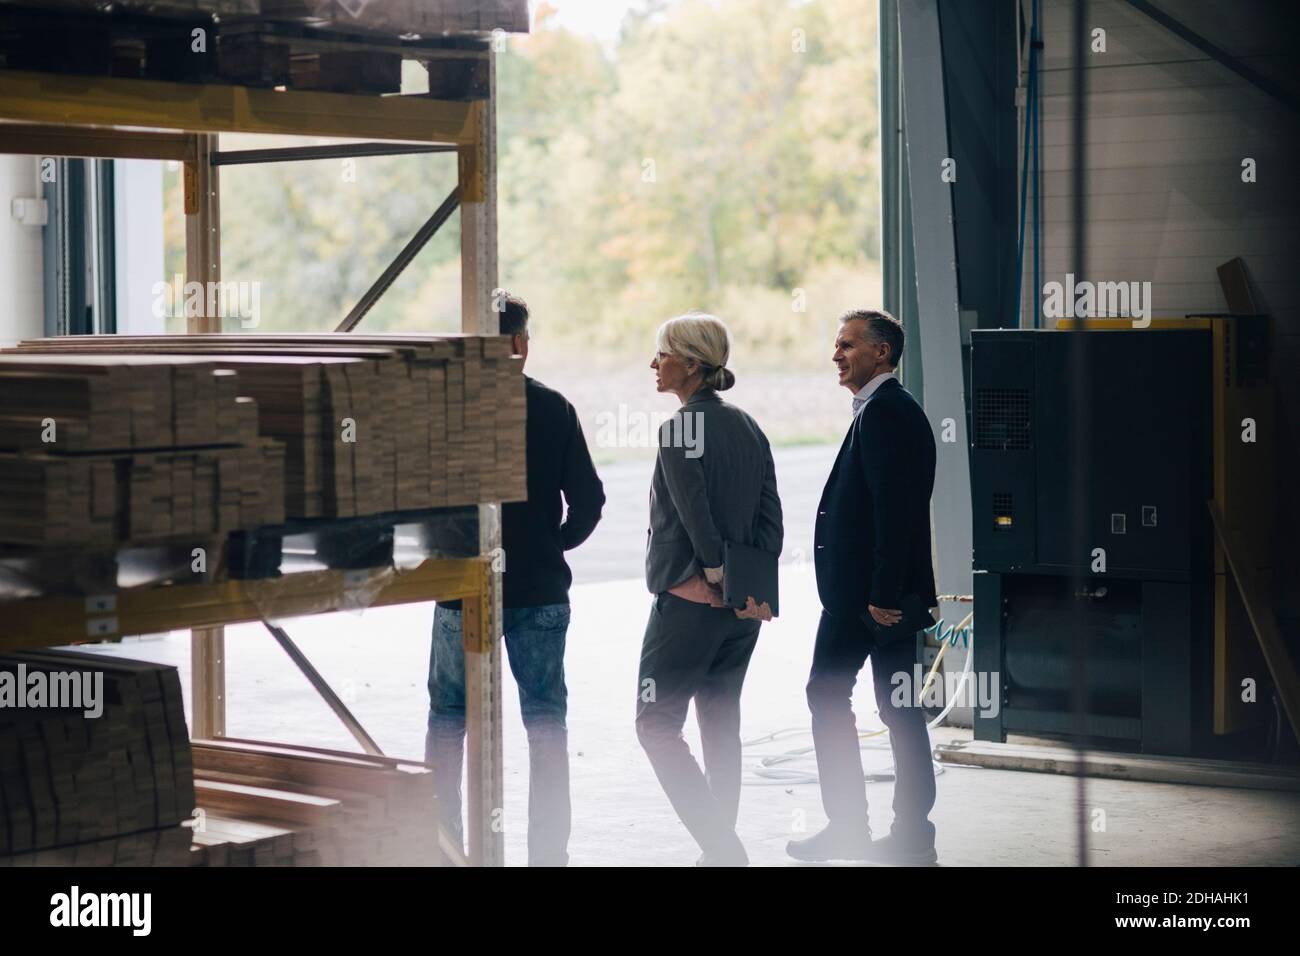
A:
(757, 118)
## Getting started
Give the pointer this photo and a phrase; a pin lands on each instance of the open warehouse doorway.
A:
(776, 164)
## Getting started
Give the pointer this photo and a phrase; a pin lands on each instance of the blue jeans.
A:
(534, 639)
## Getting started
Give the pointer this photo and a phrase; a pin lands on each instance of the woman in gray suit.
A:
(714, 481)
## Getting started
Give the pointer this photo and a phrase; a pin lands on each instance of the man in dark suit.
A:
(876, 584)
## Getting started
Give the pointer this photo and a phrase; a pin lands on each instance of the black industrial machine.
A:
(1095, 584)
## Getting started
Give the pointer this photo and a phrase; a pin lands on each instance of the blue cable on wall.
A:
(1031, 133)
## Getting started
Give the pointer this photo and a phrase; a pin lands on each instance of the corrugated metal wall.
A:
(1167, 130)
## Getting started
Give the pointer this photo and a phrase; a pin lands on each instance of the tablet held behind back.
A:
(747, 572)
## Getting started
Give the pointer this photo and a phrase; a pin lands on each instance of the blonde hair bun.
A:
(704, 339)
(720, 379)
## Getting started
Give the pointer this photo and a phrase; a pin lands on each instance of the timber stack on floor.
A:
(279, 805)
(81, 788)
(369, 424)
(105, 781)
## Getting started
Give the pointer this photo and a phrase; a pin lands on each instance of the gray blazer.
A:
(714, 481)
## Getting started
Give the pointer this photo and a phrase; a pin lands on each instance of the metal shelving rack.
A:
(51, 114)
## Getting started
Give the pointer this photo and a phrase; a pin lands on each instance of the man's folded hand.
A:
(885, 617)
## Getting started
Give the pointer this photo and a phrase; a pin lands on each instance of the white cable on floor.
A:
(770, 776)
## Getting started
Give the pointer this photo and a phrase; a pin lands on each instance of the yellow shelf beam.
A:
(53, 621)
(1122, 324)
(210, 108)
(37, 139)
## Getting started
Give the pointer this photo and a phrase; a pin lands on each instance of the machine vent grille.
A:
(1002, 419)
(1004, 511)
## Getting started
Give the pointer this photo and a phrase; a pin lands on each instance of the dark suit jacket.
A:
(872, 539)
(714, 481)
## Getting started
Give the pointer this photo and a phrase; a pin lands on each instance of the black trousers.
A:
(843, 645)
(701, 652)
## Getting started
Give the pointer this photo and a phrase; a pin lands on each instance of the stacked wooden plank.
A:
(68, 777)
(181, 7)
(106, 500)
(429, 17)
(508, 399)
(166, 846)
(230, 841)
(100, 450)
(100, 402)
(276, 804)
(395, 17)
(370, 424)
(114, 789)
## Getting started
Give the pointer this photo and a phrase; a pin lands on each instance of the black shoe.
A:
(896, 851)
(832, 844)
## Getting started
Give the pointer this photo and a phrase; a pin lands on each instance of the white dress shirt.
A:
(866, 391)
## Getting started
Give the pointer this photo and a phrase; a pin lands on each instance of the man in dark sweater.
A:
(535, 599)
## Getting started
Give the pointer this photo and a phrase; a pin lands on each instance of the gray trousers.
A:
(694, 651)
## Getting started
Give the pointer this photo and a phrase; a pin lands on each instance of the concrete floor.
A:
(377, 661)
